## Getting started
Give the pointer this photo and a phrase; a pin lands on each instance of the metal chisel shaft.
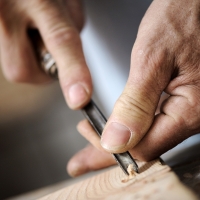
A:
(98, 122)
(91, 111)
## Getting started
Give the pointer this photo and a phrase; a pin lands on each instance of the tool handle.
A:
(45, 60)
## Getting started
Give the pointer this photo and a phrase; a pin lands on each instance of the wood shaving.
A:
(131, 173)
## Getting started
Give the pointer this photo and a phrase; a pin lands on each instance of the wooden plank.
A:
(155, 181)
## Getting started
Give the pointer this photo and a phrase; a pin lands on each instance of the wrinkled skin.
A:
(165, 57)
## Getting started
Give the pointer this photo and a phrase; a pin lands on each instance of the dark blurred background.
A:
(37, 137)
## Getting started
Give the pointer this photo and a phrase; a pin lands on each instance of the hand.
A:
(165, 57)
(59, 23)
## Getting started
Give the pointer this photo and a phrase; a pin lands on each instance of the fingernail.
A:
(77, 95)
(115, 136)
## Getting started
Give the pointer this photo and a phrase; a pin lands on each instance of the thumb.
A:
(134, 111)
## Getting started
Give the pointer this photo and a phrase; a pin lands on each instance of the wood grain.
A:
(155, 181)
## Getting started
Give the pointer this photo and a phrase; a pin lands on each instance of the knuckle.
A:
(16, 74)
(133, 106)
(152, 63)
(192, 113)
(185, 112)
(62, 35)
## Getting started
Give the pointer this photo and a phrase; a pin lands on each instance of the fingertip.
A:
(129, 122)
(89, 159)
(76, 84)
(75, 168)
(77, 96)
(82, 126)
(63, 41)
(80, 163)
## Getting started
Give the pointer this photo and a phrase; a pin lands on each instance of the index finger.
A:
(63, 42)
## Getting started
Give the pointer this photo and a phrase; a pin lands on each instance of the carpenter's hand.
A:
(58, 22)
(165, 57)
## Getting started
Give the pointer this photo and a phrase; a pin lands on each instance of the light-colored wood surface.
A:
(155, 181)
(41, 192)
